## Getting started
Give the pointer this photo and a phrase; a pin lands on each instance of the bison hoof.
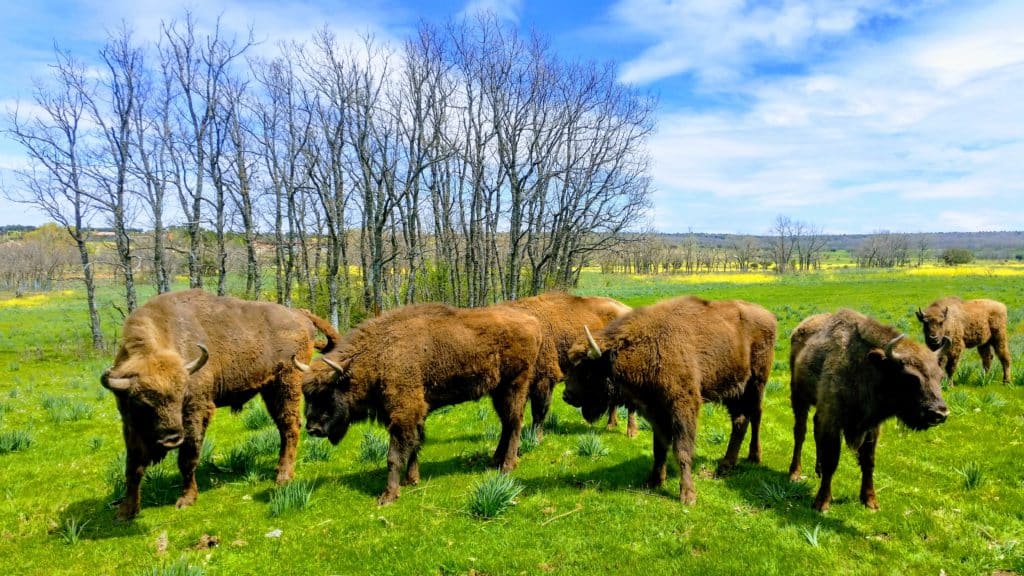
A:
(820, 506)
(185, 501)
(795, 476)
(125, 514)
(689, 498)
(870, 502)
(724, 468)
(411, 480)
(387, 498)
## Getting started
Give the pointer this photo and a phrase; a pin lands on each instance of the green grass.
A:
(291, 497)
(493, 495)
(14, 440)
(574, 515)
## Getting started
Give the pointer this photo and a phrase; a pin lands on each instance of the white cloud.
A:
(506, 10)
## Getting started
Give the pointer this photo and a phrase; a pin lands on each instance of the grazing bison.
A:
(398, 367)
(185, 353)
(858, 373)
(665, 360)
(967, 323)
(562, 317)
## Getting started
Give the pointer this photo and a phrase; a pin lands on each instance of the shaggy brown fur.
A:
(968, 324)
(166, 401)
(398, 367)
(666, 360)
(563, 317)
(858, 373)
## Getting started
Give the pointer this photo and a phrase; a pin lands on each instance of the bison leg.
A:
(800, 410)
(283, 402)
(404, 442)
(827, 444)
(412, 474)
(613, 417)
(952, 359)
(134, 470)
(540, 404)
(1003, 352)
(866, 457)
(683, 445)
(509, 403)
(657, 476)
(739, 430)
(986, 353)
(188, 456)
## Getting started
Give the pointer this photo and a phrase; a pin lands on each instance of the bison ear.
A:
(945, 313)
(920, 315)
(115, 384)
(877, 357)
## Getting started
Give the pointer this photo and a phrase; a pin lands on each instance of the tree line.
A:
(468, 164)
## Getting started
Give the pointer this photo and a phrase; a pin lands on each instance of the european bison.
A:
(967, 323)
(398, 367)
(185, 353)
(858, 373)
(666, 359)
(563, 316)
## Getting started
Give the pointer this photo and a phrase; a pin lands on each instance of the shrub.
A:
(493, 495)
(592, 446)
(291, 497)
(954, 256)
(14, 441)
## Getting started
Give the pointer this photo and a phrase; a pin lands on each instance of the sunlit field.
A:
(952, 498)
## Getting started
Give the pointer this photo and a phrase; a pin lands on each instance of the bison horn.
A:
(595, 350)
(889, 346)
(338, 368)
(115, 384)
(298, 364)
(204, 355)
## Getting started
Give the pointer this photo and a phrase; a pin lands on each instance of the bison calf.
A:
(858, 373)
(562, 316)
(967, 324)
(668, 358)
(185, 353)
(398, 367)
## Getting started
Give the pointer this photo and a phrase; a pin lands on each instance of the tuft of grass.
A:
(492, 432)
(114, 475)
(316, 450)
(780, 492)
(591, 445)
(255, 416)
(483, 412)
(14, 441)
(373, 449)
(493, 495)
(70, 529)
(774, 385)
(528, 440)
(206, 452)
(993, 401)
(264, 442)
(972, 475)
(291, 497)
(812, 536)
(180, 567)
(95, 443)
(553, 424)
(63, 409)
(958, 402)
(240, 459)
(716, 437)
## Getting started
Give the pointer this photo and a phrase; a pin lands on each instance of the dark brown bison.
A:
(398, 367)
(858, 373)
(666, 359)
(968, 324)
(185, 353)
(563, 316)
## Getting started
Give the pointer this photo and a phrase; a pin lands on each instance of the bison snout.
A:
(315, 430)
(171, 440)
(570, 398)
(938, 414)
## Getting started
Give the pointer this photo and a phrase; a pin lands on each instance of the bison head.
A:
(155, 387)
(329, 411)
(933, 321)
(588, 381)
(912, 382)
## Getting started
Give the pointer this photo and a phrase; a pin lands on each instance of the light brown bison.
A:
(185, 353)
(858, 373)
(563, 316)
(398, 367)
(968, 324)
(667, 359)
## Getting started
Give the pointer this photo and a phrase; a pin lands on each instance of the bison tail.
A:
(323, 326)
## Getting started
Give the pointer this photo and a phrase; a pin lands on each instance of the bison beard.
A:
(236, 349)
(858, 373)
(668, 358)
(398, 367)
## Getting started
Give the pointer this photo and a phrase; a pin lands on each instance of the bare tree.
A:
(56, 181)
(783, 242)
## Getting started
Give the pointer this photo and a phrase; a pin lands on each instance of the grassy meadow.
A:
(952, 498)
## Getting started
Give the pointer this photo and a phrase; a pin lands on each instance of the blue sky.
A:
(851, 115)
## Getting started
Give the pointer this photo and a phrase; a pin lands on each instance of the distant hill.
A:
(986, 245)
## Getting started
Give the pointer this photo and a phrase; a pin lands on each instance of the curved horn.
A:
(115, 384)
(193, 366)
(330, 363)
(595, 350)
(298, 364)
(889, 346)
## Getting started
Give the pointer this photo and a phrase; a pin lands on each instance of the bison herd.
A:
(183, 354)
